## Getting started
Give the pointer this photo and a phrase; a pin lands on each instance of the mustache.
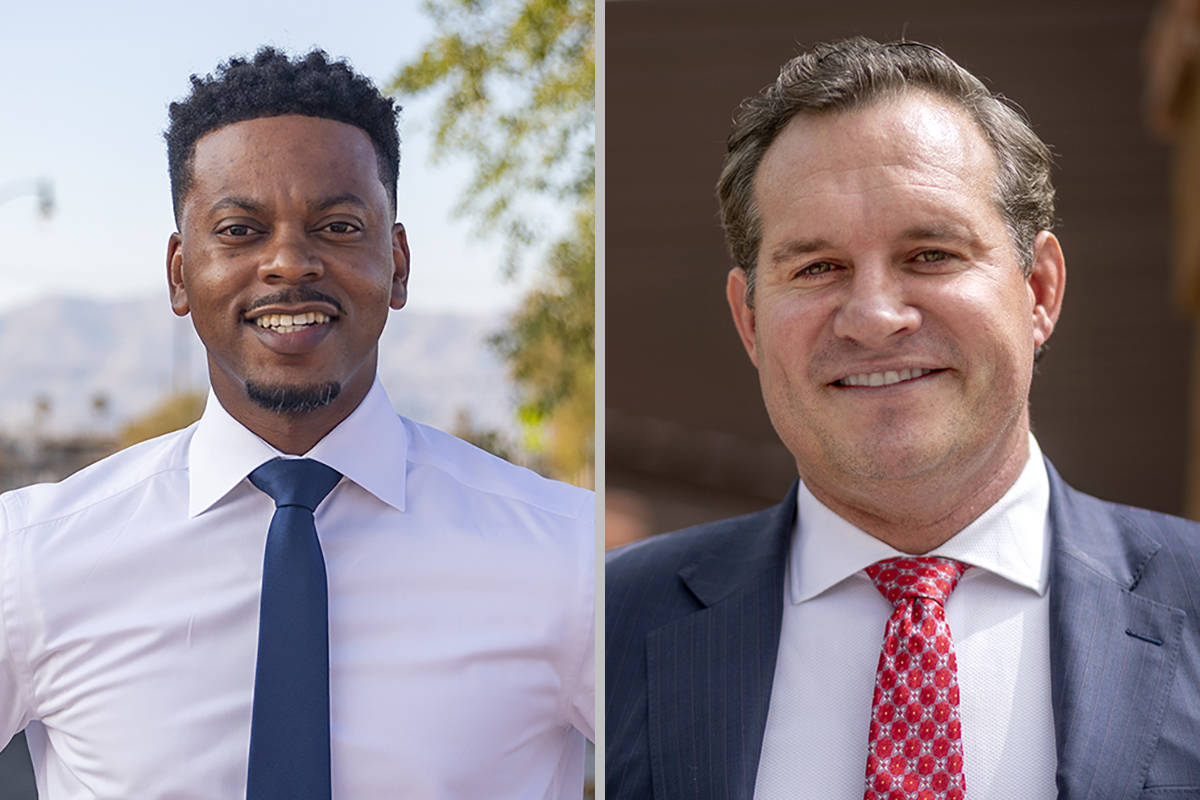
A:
(295, 295)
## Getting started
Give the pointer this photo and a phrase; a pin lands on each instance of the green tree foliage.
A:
(517, 83)
(549, 348)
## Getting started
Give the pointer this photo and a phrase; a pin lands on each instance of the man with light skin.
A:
(303, 595)
(931, 602)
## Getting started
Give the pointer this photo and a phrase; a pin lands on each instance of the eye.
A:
(931, 256)
(816, 269)
(342, 227)
(236, 230)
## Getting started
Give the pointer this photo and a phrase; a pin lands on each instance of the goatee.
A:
(292, 399)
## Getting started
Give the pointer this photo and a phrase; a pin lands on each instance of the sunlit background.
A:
(91, 358)
(87, 342)
(84, 97)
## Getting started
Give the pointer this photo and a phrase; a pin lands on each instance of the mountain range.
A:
(71, 365)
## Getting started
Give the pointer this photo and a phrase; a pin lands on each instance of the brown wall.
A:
(687, 437)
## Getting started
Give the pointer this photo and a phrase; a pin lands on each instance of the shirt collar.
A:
(1009, 539)
(369, 447)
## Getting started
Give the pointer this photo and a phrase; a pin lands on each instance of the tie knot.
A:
(295, 481)
(932, 577)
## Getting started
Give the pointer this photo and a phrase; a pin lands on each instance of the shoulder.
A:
(1177, 539)
(116, 478)
(1171, 531)
(480, 479)
(1162, 551)
(1078, 509)
(659, 579)
(665, 554)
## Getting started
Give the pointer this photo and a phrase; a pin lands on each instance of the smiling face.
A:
(288, 260)
(891, 324)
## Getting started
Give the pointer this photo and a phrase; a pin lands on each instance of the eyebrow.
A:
(236, 204)
(349, 198)
(950, 231)
(796, 248)
(253, 207)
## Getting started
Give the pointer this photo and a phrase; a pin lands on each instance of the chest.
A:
(144, 656)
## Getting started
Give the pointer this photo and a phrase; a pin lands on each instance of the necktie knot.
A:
(902, 579)
(295, 481)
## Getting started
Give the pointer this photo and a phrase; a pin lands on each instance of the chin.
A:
(290, 400)
(889, 457)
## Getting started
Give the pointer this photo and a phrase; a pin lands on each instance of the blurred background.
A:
(496, 191)
(687, 439)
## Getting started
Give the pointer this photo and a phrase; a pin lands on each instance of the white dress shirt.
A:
(460, 617)
(815, 744)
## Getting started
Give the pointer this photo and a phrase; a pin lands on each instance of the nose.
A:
(290, 259)
(876, 312)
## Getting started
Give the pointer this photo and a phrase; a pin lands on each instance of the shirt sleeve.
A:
(14, 697)
(581, 666)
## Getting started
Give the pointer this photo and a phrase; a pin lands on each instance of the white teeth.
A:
(883, 378)
(290, 323)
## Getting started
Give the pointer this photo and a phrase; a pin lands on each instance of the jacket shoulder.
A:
(660, 579)
(1161, 551)
(1178, 553)
(658, 558)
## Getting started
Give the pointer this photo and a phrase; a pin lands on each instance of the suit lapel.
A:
(710, 673)
(1112, 652)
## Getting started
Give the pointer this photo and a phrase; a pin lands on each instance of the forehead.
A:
(291, 154)
(899, 156)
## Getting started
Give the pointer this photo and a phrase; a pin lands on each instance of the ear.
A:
(400, 259)
(743, 314)
(179, 299)
(1046, 284)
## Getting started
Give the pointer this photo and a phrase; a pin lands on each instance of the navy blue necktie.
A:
(289, 728)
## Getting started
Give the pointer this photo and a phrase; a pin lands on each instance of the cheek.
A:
(377, 296)
(993, 315)
(206, 286)
(207, 272)
(787, 335)
(372, 298)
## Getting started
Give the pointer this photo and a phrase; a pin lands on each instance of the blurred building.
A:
(687, 437)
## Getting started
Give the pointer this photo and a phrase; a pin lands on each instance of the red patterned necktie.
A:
(915, 747)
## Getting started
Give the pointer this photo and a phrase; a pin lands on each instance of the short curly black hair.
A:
(270, 85)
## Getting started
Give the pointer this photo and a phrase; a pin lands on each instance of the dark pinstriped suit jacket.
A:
(693, 629)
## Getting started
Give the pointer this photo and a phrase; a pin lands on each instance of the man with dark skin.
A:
(395, 613)
(309, 190)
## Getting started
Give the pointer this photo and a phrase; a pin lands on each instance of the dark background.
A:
(687, 437)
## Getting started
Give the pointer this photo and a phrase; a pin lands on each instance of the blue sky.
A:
(83, 99)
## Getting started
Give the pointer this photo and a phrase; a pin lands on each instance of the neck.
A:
(296, 434)
(916, 515)
(292, 433)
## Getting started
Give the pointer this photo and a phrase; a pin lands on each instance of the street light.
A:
(42, 188)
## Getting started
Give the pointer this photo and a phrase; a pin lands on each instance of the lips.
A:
(884, 377)
(279, 312)
(292, 329)
(290, 323)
